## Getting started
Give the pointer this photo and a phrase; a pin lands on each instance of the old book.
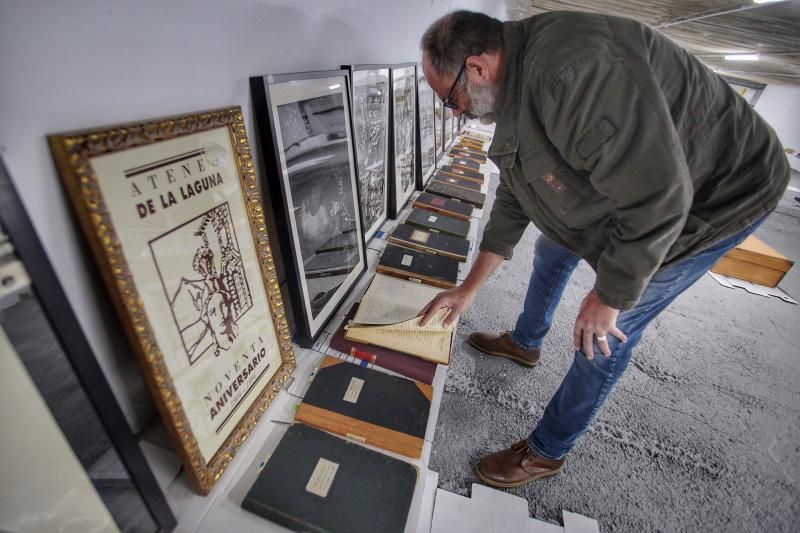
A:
(438, 223)
(388, 317)
(453, 192)
(467, 154)
(451, 179)
(368, 406)
(462, 162)
(465, 145)
(401, 363)
(461, 173)
(472, 144)
(414, 265)
(755, 261)
(430, 242)
(314, 481)
(445, 206)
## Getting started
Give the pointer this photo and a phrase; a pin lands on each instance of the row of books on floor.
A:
(316, 481)
(424, 252)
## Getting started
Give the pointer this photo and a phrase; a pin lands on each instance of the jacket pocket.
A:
(558, 185)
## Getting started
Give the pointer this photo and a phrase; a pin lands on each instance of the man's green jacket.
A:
(624, 148)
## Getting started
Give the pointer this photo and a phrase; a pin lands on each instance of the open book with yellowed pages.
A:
(387, 317)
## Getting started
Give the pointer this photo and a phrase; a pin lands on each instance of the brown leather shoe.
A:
(516, 466)
(503, 346)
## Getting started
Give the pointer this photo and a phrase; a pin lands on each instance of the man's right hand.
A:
(457, 299)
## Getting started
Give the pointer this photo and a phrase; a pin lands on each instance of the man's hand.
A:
(457, 299)
(596, 318)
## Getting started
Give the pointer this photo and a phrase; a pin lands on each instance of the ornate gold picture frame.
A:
(173, 216)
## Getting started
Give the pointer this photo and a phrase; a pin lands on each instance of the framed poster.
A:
(172, 214)
(307, 145)
(425, 132)
(448, 127)
(438, 130)
(370, 97)
(404, 116)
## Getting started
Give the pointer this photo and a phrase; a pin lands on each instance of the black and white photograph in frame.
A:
(438, 130)
(306, 137)
(404, 113)
(448, 127)
(370, 89)
(425, 131)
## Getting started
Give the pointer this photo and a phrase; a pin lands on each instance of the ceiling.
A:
(709, 29)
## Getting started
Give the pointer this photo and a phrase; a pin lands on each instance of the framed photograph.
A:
(370, 97)
(438, 129)
(306, 135)
(425, 132)
(404, 116)
(448, 127)
(172, 214)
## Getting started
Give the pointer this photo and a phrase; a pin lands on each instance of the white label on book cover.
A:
(322, 477)
(353, 390)
(420, 236)
(432, 218)
(406, 261)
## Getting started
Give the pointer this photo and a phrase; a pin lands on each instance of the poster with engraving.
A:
(171, 211)
(448, 127)
(304, 123)
(370, 88)
(404, 116)
(425, 133)
(438, 130)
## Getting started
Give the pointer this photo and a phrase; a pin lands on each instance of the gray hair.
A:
(449, 41)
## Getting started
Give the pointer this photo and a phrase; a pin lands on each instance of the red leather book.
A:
(403, 364)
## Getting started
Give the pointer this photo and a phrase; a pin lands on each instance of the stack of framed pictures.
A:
(172, 213)
(304, 124)
(371, 99)
(425, 131)
(404, 113)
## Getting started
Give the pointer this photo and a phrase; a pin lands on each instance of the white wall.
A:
(780, 106)
(88, 63)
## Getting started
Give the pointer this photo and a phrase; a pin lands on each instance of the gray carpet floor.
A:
(702, 432)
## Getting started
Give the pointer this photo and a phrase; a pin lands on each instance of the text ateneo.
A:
(168, 186)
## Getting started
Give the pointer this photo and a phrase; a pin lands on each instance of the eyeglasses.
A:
(448, 102)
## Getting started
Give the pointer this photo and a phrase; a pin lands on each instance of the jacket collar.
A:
(506, 134)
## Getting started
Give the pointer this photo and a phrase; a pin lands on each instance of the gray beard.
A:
(482, 101)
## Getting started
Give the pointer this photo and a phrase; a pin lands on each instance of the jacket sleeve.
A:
(608, 117)
(507, 223)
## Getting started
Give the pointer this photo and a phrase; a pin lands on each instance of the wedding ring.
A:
(601, 337)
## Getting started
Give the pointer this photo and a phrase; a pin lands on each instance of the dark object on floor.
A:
(318, 482)
(516, 466)
(502, 346)
(435, 270)
(369, 406)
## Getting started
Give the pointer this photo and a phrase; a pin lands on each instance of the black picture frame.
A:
(426, 144)
(403, 143)
(64, 324)
(438, 128)
(371, 103)
(447, 121)
(323, 256)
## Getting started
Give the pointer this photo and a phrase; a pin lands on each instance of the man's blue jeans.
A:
(589, 382)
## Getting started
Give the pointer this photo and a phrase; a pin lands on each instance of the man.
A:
(625, 151)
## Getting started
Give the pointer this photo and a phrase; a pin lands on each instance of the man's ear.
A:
(478, 68)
